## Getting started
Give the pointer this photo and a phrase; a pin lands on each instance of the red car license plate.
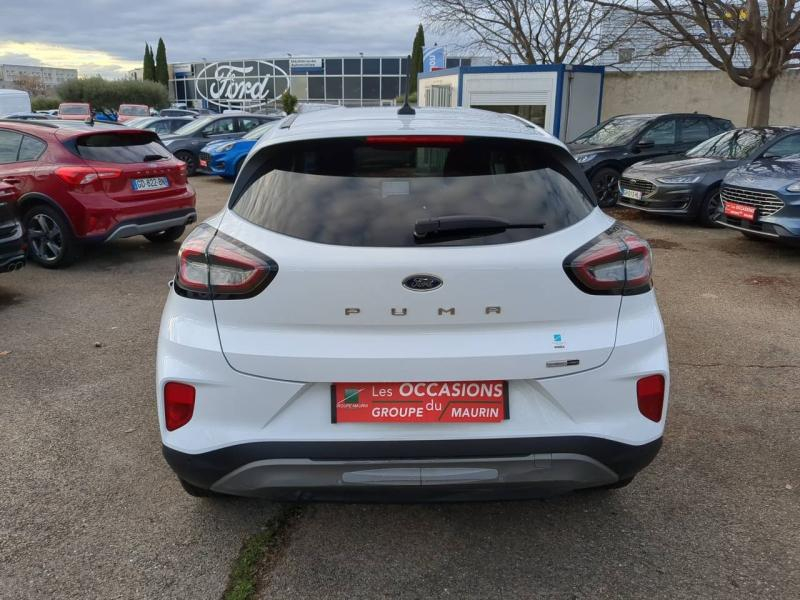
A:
(432, 402)
(740, 211)
(203, 163)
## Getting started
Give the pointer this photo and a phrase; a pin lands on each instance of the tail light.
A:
(213, 265)
(183, 176)
(178, 404)
(616, 262)
(82, 175)
(650, 396)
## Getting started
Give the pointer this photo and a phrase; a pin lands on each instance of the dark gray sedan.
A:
(687, 185)
(187, 141)
(762, 198)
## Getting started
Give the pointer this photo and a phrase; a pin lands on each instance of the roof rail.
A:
(40, 123)
(289, 120)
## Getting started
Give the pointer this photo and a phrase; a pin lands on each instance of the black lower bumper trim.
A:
(203, 470)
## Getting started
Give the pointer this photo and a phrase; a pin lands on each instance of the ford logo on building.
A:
(422, 283)
(240, 86)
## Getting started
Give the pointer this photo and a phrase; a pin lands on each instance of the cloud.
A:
(88, 62)
(108, 36)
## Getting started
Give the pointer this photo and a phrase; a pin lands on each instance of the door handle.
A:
(12, 180)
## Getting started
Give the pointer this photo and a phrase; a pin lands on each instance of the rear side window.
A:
(372, 191)
(31, 148)
(9, 146)
(123, 148)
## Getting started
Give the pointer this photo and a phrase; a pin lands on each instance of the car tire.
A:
(166, 236)
(710, 209)
(190, 159)
(605, 183)
(51, 243)
(197, 492)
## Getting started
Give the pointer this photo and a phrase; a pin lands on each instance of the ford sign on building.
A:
(256, 84)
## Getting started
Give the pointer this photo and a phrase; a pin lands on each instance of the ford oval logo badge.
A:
(422, 283)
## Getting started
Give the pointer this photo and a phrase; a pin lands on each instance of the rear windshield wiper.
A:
(152, 157)
(460, 226)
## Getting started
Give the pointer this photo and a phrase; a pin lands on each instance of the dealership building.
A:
(254, 84)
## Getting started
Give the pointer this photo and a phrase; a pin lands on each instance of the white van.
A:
(14, 101)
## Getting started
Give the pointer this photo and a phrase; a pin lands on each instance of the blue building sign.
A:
(433, 59)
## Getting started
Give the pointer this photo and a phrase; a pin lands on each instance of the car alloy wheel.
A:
(711, 209)
(605, 184)
(45, 237)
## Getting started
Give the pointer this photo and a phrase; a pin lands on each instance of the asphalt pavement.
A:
(89, 509)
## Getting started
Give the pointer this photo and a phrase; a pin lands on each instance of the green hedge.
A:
(104, 94)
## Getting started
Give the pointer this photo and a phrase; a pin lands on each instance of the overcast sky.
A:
(108, 36)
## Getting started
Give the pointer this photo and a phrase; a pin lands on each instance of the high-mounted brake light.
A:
(416, 140)
(213, 265)
(650, 396)
(617, 262)
(83, 175)
(178, 404)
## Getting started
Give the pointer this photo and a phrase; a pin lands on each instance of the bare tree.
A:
(532, 31)
(753, 41)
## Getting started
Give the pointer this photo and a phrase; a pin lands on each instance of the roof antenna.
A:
(406, 108)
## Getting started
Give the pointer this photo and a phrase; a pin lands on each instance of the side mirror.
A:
(643, 145)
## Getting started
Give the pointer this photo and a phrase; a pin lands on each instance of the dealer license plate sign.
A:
(203, 162)
(632, 194)
(150, 183)
(740, 211)
(433, 402)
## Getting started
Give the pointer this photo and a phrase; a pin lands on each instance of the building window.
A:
(333, 88)
(535, 113)
(372, 66)
(372, 88)
(625, 55)
(391, 66)
(390, 88)
(451, 62)
(352, 88)
(316, 88)
(333, 66)
(352, 66)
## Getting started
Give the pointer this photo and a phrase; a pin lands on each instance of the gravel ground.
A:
(88, 508)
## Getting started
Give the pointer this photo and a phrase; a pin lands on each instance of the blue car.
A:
(762, 198)
(226, 157)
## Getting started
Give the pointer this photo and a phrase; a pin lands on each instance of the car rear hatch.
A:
(132, 166)
(357, 297)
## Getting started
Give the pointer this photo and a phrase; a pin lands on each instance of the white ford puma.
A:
(410, 306)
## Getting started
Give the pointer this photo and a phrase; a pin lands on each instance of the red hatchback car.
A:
(81, 183)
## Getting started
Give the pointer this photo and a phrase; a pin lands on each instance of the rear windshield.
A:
(73, 109)
(122, 148)
(134, 110)
(358, 192)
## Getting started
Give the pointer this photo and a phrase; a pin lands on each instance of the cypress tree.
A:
(151, 64)
(416, 58)
(161, 69)
(146, 73)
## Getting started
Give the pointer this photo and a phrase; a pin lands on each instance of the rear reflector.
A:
(178, 404)
(416, 140)
(650, 396)
(616, 262)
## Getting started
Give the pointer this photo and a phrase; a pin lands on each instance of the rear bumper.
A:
(151, 224)
(441, 469)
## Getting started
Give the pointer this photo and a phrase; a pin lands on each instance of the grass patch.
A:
(257, 551)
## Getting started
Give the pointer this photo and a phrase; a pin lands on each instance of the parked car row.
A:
(745, 178)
